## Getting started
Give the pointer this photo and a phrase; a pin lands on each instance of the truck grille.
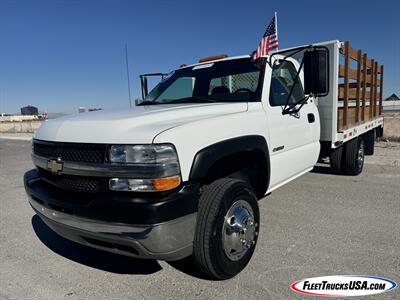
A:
(90, 153)
(75, 183)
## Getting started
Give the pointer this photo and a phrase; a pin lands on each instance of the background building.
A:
(29, 110)
(393, 97)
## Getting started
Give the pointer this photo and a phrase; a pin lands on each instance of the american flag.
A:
(268, 42)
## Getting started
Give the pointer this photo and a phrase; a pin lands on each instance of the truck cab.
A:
(261, 91)
(181, 173)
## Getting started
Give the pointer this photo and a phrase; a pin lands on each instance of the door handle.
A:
(311, 118)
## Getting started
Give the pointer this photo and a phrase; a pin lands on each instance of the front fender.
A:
(208, 156)
(190, 138)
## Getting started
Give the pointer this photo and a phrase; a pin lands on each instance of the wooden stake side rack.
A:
(360, 94)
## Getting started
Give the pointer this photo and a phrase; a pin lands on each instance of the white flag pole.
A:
(276, 28)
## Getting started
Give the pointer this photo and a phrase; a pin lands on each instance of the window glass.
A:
(234, 82)
(181, 88)
(282, 82)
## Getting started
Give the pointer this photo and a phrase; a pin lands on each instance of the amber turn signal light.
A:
(165, 184)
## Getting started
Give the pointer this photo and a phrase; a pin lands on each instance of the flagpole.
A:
(276, 28)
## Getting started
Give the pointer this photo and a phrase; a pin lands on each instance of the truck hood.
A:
(139, 124)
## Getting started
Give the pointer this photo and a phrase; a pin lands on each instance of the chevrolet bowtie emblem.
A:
(55, 165)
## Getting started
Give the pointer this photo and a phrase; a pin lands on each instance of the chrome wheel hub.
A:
(360, 156)
(239, 230)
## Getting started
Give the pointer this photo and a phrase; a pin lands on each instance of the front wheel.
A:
(227, 228)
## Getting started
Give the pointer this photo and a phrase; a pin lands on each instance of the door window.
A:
(283, 81)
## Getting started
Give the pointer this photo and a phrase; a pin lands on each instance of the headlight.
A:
(142, 154)
(154, 167)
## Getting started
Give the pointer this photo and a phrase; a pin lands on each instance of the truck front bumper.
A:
(169, 239)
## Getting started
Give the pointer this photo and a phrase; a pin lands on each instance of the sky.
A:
(59, 55)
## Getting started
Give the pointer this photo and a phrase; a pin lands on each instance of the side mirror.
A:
(316, 72)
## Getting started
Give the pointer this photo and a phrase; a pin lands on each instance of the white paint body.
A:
(192, 127)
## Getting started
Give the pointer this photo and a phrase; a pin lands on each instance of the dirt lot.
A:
(391, 130)
(320, 224)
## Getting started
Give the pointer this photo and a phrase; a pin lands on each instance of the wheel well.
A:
(249, 165)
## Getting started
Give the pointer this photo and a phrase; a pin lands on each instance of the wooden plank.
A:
(357, 117)
(346, 83)
(375, 111)
(371, 91)
(353, 54)
(381, 91)
(378, 68)
(366, 115)
(351, 116)
(367, 77)
(359, 89)
(352, 73)
(364, 86)
(370, 63)
(351, 113)
(352, 94)
(355, 84)
(369, 71)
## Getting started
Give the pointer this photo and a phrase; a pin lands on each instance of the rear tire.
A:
(369, 140)
(227, 228)
(354, 156)
(336, 160)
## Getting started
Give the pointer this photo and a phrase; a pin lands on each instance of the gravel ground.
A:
(320, 224)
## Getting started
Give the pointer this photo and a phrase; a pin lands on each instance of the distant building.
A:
(94, 109)
(81, 109)
(393, 97)
(23, 118)
(29, 111)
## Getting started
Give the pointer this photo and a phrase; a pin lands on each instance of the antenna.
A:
(127, 75)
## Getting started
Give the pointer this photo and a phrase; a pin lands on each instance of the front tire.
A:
(227, 228)
(354, 156)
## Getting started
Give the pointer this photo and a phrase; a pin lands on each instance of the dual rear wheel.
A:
(349, 158)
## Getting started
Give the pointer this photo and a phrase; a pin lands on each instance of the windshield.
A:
(236, 80)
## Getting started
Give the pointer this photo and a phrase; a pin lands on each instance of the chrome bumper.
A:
(171, 240)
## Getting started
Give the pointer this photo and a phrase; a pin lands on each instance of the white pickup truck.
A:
(181, 173)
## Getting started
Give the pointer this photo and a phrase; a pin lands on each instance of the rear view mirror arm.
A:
(295, 81)
(290, 109)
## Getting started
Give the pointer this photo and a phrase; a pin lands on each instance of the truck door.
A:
(294, 138)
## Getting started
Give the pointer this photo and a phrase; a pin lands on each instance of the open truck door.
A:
(291, 87)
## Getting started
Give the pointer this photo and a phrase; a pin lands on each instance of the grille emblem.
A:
(55, 165)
